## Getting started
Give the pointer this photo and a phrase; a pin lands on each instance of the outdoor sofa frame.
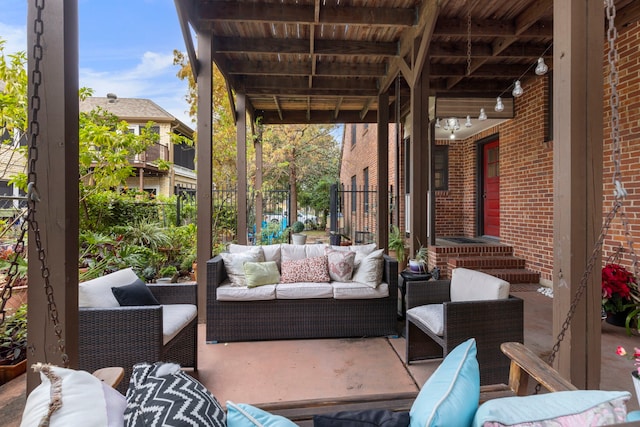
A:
(279, 319)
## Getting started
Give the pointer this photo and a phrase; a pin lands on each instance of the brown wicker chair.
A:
(124, 336)
(490, 322)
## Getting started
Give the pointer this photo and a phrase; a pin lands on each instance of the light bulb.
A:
(483, 115)
(452, 136)
(437, 123)
(541, 68)
(468, 124)
(517, 89)
(499, 105)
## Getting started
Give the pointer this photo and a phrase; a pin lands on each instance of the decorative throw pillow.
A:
(245, 415)
(97, 293)
(72, 390)
(450, 396)
(305, 270)
(365, 418)
(261, 273)
(136, 293)
(234, 264)
(369, 272)
(160, 394)
(340, 264)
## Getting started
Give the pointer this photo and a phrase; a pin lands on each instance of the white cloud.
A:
(15, 38)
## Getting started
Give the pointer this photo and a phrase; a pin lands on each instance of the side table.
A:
(408, 276)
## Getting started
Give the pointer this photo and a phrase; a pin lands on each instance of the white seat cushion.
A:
(174, 318)
(97, 293)
(229, 292)
(431, 316)
(471, 285)
(357, 290)
(304, 290)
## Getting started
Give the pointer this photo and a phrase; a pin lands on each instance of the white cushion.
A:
(292, 252)
(97, 292)
(355, 290)
(361, 252)
(369, 272)
(314, 250)
(106, 406)
(271, 252)
(471, 285)
(431, 316)
(228, 292)
(174, 318)
(303, 290)
(234, 263)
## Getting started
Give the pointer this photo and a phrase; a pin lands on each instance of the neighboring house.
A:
(137, 113)
(514, 160)
(11, 163)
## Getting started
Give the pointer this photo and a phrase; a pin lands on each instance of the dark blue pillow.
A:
(136, 293)
(366, 418)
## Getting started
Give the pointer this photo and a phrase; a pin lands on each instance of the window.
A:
(407, 165)
(441, 168)
(353, 135)
(366, 189)
(354, 195)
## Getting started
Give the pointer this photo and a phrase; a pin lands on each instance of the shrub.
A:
(297, 227)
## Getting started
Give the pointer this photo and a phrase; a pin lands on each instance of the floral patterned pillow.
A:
(340, 264)
(313, 270)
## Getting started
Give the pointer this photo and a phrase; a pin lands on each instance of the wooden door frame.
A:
(480, 181)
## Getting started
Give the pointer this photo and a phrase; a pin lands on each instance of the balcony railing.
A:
(152, 154)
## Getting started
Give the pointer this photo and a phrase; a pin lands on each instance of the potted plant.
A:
(398, 246)
(297, 236)
(620, 296)
(418, 263)
(13, 345)
(168, 274)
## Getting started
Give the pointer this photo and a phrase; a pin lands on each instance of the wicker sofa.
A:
(125, 335)
(275, 318)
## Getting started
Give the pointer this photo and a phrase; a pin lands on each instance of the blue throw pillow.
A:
(450, 396)
(245, 415)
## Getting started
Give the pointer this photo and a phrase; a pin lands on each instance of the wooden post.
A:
(54, 129)
(382, 223)
(241, 162)
(577, 156)
(204, 150)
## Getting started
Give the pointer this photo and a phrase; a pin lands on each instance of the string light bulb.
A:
(468, 124)
(499, 105)
(437, 123)
(517, 89)
(483, 115)
(541, 68)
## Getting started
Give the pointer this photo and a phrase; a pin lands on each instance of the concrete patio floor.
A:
(273, 371)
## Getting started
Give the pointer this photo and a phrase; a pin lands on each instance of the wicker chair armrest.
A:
(427, 292)
(485, 316)
(216, 274)
(174, 293)
(135, 324)
(390, 273)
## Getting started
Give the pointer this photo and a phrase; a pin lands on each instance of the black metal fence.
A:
(353, 213)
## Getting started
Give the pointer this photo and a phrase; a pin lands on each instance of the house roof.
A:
(313, 61)
(134, 110)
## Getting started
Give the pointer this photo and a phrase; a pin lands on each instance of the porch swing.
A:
(524, 363)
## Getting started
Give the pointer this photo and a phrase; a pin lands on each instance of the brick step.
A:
(487, 262)
(514, 275)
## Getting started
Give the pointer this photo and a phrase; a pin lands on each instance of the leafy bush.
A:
(297, 227)
(13, 337)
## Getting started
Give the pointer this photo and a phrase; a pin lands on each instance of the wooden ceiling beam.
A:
(485, 71)
(278, 107)
(320, 83)
(301, 46)
(491, 28)
(484, 50)
(304, 68)
(366, 107)
(627, 15)
(337, 109)
(304, 91)
(270, 117)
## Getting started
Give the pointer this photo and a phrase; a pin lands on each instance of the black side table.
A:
(408, 276)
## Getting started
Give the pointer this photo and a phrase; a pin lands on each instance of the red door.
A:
(491, 189)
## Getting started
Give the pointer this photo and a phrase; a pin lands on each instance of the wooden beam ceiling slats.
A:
(320, 83)
(301, 46)
(304, 68)
(491, 28)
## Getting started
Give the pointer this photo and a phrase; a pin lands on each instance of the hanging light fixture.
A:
(541, 68)
(452, 124)
(468, 124)
(517, 89)
(499, 105)
(437, 125)
(483, 115)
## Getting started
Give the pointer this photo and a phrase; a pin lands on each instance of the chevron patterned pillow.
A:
(160, 394)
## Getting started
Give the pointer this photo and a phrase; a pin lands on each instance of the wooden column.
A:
(382, 226)
(204, 151)
(54, 130)
(577, 155)
(241, 162)
(419, 158)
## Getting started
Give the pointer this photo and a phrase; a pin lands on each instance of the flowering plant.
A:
(619, 288)
(620, 351)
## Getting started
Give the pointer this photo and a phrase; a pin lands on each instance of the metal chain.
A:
(469, 42)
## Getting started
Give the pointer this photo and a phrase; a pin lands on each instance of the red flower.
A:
(617, 282)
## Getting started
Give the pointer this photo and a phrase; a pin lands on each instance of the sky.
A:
(126, 48)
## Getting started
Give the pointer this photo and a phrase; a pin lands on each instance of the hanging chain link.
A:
(469, 42)
(33, 197)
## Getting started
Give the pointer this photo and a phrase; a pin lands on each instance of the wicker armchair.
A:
(124, 336)
(490, 322)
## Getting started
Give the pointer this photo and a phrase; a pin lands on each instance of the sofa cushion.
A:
(229, 292)
(97, 292)
(450, 395)
(261, 273)
(340, 264)
(471, 285)
(290, 252)
(315, 250)
(369, 272)
(245, 415)
(234, 263)
(430, 315)
(563, 408)
(304, 290)
(137, 293)
(271, 252)
(174, 318)
(364, 418)
(356, 290)
(305, 270)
